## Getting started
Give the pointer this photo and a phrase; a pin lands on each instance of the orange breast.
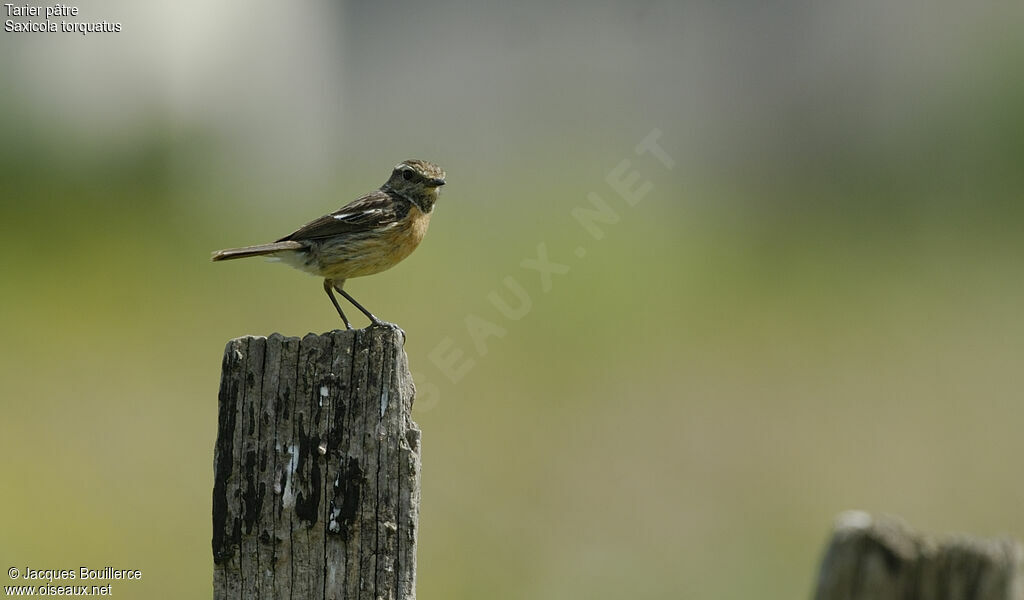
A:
(361, 255)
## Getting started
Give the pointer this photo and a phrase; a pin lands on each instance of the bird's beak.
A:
(436, 182)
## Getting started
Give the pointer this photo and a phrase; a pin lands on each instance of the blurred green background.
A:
(818, 308)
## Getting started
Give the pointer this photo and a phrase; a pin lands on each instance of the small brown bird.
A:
(369, 235)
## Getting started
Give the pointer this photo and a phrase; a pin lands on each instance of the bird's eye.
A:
(408, 175)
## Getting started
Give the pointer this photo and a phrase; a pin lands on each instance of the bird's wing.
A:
(372, 211)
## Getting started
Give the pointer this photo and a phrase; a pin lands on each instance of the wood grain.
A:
(317, 468)
(881, 558)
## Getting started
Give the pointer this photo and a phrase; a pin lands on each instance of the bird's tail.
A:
(260, 250)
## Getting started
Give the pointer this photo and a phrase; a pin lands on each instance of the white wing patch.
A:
(349, 215)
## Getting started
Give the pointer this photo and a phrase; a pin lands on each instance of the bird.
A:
(366, 236)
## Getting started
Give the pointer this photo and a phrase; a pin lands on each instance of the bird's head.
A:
(418, 181)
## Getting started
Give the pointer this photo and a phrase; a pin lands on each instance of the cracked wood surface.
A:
(881, 558)
(317, 468)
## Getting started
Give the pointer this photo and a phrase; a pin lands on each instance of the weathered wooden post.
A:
(317, 468)
(881, 558)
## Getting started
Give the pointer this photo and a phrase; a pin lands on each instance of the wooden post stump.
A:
(317, 468)
(881, 558)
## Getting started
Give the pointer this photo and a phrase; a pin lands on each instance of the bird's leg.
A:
(328, 284)
(368, 314)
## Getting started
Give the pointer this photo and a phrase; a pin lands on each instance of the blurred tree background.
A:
(817, 308)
